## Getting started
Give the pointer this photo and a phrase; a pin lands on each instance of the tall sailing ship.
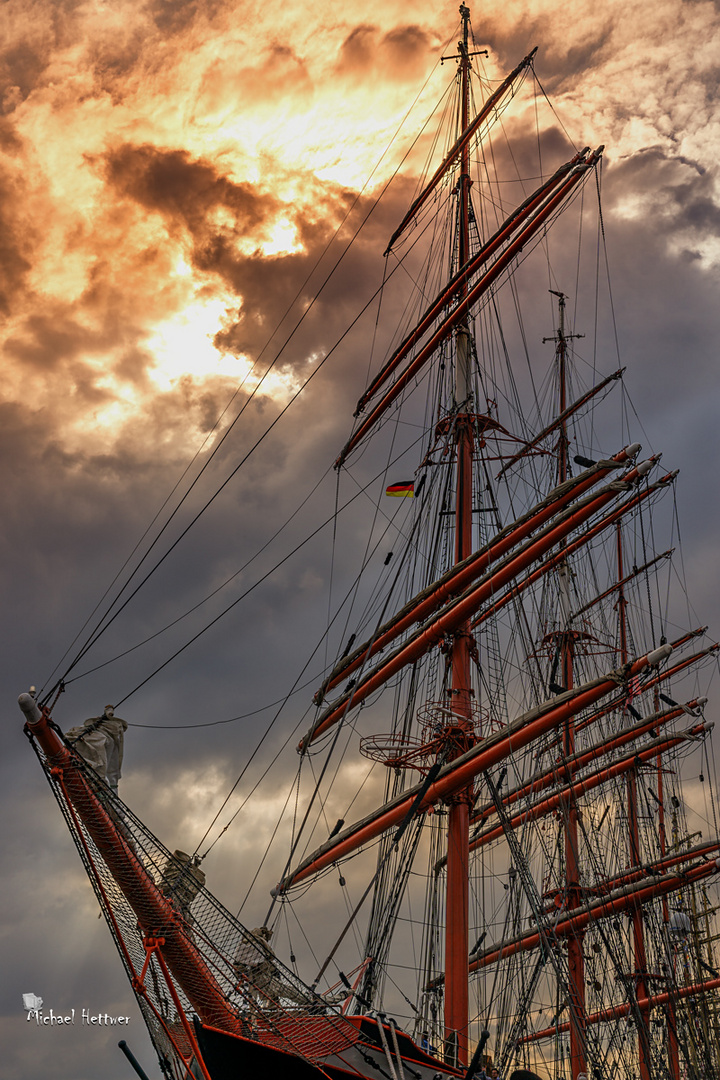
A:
(531, 888)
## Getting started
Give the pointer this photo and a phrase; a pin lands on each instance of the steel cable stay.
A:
(329, 617)
(497, 204)
(680, 574)
(237, 600)
(326, 763)
(266, 733)
(269, 843)
(65, 681)
(419, 228)
(231, 719)
(550, 105)
(182, 476)
(508, 911)
(282, 703)
(210, 595)
(494, 1001)
(345, 892)
(237, 782)
(394, 870)
(321, 799)
(99, 627)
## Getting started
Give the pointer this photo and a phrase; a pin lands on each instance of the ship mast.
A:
(640, 988)
(673, 1049)
(457, 897)
(565, 646)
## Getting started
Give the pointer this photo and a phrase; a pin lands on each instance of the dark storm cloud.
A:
(399, 53)
(560, 61)
(50, 338)
(174, 16)
(15, 253)
(282, 71)
(219, 216)
(678, 190)
(184, 190)
(21, 67)
(189, 193)
(692, 205)
(357, 50)
(273, 287)
(16, 237)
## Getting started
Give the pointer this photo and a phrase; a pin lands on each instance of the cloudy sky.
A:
(172, 173)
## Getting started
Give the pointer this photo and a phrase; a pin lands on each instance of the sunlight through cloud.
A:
(183, 345)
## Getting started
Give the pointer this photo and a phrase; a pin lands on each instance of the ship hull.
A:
(234, 1057)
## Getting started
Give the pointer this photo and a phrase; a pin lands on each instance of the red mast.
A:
(457, 915)
(672, 1039)
(639, 954)
(566, 639)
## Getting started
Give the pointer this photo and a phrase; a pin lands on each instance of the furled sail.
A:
(463, 769)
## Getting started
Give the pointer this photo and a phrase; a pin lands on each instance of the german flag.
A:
(405, 489)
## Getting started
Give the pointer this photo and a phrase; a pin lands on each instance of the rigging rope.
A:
(99, 627)
(210, 595)
(250, 589)
(284, 701)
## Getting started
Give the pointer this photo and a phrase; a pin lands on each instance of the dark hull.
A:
(232, 1057)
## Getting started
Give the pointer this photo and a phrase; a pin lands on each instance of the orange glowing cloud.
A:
(180, 165)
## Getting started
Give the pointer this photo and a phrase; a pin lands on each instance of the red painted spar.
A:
(631, 896)
(458, 284)
(491, 105)
(569, 549)
(565, 767)
(662, 676)
(455, 776)
(156, 915)
(464, 573)
(637, 873)
(467, 604)
(617, 1011)
(571, 792)
(460, 311)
